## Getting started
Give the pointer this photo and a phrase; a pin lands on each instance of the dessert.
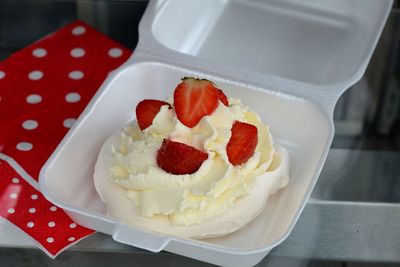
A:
(198, 165)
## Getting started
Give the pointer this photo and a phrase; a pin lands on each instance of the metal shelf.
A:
(328, 229)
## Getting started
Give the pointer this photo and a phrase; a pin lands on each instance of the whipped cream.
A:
(201, 204)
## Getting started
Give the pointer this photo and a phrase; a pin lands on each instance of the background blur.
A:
(366, 116)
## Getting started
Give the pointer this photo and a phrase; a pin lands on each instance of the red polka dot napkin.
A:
(43, 89)
(24, 206)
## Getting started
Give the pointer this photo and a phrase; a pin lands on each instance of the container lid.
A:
(324, 45)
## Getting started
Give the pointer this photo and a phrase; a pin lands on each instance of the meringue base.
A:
(244, 210)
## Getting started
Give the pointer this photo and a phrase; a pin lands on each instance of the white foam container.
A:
(288, 60)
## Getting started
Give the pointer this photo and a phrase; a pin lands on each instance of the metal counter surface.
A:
(335, 225)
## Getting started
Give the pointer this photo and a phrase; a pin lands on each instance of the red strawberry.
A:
(222, 97)
(194, 99)
(146, 110)
(178, 158)
(243, 142)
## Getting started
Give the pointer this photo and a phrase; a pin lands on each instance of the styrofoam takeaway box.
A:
(288, 60)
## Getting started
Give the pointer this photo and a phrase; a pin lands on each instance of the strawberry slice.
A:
(146, 110)
(222, 97)
(194, 99)
(179, 158)
(243, 142)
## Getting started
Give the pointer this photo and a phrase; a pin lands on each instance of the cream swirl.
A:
(191, 198)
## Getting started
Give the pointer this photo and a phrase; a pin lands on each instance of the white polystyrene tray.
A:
(183, 38)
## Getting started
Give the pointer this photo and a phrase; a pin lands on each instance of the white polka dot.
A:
(76, 75)
(15, 180)
(11, 211)
(53, 208)
(72, 97)
(71, 239)
(32, 210)
(77, 52)
(2, 74)
(78, 30)
(13, 195)
(115, 52)
(51, 224)
(35, 75)
(30, 124)
(72, 225)
(39, 52)
(30, 224)
(34, 196)
(33, 99)
(68, 123)
(24, 146)
(50, 240)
